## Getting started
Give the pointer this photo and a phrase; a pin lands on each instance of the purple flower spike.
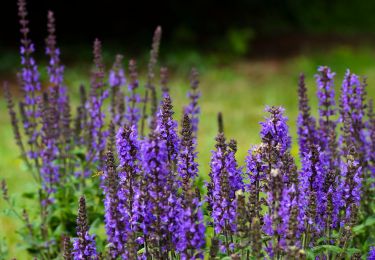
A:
(96, 99)
(190, 234)
(116, 224)
(29, 77)
(55, 69)
(49, 135)
(117, 74)
(307, 133)
(222, 187)
(275, 131)
(156, 200)
(187, 166)
(371, 254)
(84, 246)
(327, 111)
(168, 129)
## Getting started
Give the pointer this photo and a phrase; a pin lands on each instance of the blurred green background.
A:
(249, 55)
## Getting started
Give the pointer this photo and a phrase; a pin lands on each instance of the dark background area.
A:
(241, 27)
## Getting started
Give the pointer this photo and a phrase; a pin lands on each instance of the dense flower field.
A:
(124, 160)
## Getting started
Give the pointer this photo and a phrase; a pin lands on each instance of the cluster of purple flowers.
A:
(154, 203)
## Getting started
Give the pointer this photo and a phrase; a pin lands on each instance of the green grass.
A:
(240, 90)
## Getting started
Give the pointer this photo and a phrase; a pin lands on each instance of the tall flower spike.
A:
(243, 223)
(327, 112)
(67, 248)
(84, 246)
(351, 170)
(30, 82)
(307, 134)
(115, 222)
(234, 171)
(280, 174)
(313, 199)
(187, 166)
(49, 135)
(129, 174)
(132, 114)
(55, 69)
(168, 129)
(352, 105)
(97, 96)
(257, 177)
(193, 109)
(221, 193)
(275, 130)
(190, 233)
(157, 198)
(154, 53)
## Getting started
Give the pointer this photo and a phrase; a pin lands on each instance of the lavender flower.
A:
(190, 233)
(281, 186)
(168, 129)
(115, 223)
(129, 174)
(221, 190)
(187, 166)
(307, 134)
(97, 96)
(156, 199)
(234, 171)
(29, 77)
(193, 109)
(256, 172)
(84, 246)
(352, 105)
(117, 74)
(275, 131)
(49, 135)
(327, 125)
(351, 187)
(371, 253)
(55, 69)
(313, 201)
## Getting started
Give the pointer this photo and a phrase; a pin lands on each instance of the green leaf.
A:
(352, 251)
(363, 226)
(328, 248)
(29, 195)
(310, 254)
